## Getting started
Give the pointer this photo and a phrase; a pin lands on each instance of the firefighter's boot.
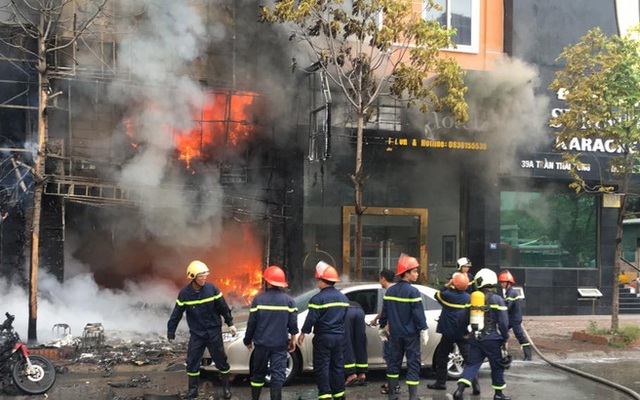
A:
(527, 352)
(192, 392)
(458, 394)
(393, 382)
(500, 396)
(476, 386)
(226, 387)
(413, 392)
(276, 392)
(255, 392)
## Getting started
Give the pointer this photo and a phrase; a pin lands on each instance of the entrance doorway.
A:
(386, 233)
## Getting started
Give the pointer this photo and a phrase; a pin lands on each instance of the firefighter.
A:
(515, 311)
(454, 298)
(356, 361)
(205, 307)
(271, 332)
(489, 336)
(403, 313)
(327, 311)
(386, 278)
(464, 265)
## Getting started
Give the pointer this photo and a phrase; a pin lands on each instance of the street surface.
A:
(525, 380)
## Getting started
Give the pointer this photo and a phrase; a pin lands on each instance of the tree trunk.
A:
(39, 171)
(615, 301)
(358, 183)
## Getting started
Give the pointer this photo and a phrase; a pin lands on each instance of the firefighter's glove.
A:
(233, 330)
(384, 335)
(425, 336)
(171, 336)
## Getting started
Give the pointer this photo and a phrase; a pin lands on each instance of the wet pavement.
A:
(537, 379)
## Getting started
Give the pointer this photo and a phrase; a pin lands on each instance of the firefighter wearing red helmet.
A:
(271, 333)
(453, 297)
(512, 301)
(327, 311)
(205, 307)
(403, 313)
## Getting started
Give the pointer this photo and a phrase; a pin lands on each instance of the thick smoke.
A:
(79, 301)
(505, 103)
(165, 42)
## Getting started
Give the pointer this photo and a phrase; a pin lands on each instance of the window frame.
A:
(475, 27)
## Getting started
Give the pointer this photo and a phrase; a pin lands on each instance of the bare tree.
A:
(38, 29)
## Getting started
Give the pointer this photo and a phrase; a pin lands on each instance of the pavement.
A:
(552, 335)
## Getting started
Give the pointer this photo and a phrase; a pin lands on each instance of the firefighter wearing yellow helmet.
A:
(205, 307)
(489, 339)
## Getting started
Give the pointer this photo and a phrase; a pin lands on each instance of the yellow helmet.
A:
(195, 268)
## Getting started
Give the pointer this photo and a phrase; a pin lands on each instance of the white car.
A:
(369, 296)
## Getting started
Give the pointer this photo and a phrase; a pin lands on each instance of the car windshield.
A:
(302, 300)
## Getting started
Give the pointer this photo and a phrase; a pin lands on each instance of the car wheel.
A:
(294, 364)
(455, 365)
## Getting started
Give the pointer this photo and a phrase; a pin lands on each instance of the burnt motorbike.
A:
(30, 374)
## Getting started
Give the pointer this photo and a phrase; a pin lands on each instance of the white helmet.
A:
(462, 262)
(486, 277)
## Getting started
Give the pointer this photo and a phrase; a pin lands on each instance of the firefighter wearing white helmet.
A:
(489, 340)
(205, 307)
(464, 265)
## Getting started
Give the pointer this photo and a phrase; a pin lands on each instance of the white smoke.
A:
(158, 54)
(140, 308)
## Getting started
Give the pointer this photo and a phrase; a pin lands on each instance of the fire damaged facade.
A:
(200, 138)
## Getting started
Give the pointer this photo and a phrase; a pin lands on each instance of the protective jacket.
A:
(327, 311)
(454, 303)
(513, 307)
(204, 308)
(402, 309)
(272, 317)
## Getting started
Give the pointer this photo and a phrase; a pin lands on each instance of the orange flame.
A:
(225, 119)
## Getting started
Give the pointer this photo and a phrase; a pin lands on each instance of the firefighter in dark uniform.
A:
(327, 311)
(489, 335)
(271, 332)
(454, 300)
(464, 265)
(403, 313)
(356, 361)
(205, 306)
(515, 311)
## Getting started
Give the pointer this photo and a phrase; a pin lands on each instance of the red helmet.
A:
(460, 281)
(406, 263)
(505, 276)
(327, 272)
(275, 276)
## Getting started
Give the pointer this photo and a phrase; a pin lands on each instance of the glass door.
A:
(387, 233)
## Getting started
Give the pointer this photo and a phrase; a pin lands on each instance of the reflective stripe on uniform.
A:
(201, 301)
(402, 300)
(273, 308)
(328, 305)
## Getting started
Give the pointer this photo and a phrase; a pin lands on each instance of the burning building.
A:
(182, 133)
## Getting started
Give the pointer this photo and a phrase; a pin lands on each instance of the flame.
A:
(225, 119)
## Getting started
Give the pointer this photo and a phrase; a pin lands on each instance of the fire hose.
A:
(583, 374)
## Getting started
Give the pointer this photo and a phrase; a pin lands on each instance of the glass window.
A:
(548, 229)
(461, 15)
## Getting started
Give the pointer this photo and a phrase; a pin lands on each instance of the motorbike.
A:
(30, 374)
